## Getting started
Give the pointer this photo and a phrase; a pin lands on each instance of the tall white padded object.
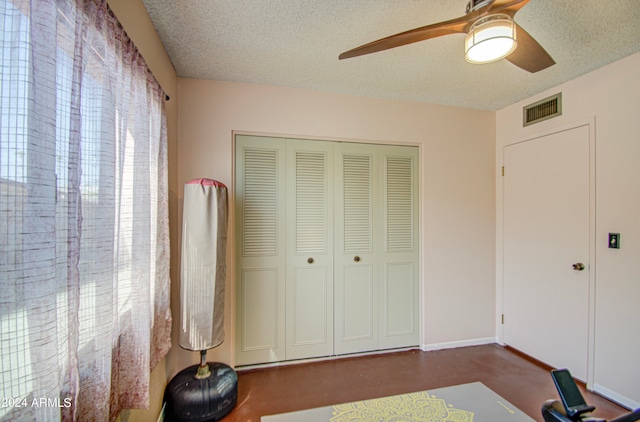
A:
(203, 265)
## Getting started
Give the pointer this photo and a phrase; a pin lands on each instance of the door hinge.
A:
(503, 170)
(502, 319)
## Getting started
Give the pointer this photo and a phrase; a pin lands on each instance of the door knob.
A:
(578, 267)
(356, 258)
(310, 260)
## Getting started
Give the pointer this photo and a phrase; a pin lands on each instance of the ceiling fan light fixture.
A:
(490, 38)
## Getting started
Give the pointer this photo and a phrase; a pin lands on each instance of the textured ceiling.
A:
(296, 43)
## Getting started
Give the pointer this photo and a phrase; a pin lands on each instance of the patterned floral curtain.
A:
(84, 244)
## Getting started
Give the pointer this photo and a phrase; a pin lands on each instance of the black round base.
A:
(188, 399)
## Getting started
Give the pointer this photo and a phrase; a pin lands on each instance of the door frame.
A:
(590, 123)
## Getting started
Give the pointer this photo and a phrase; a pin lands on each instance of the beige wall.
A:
(457, 186)
(611, 95)
(135, 20)
(457, 181)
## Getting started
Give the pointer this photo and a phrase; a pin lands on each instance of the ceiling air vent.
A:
(542, 110)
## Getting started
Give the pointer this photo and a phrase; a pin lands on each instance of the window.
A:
(84, 285)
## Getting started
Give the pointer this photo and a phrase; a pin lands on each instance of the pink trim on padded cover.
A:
(206, 182)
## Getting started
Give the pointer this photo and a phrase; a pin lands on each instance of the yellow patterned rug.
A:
(461, 403)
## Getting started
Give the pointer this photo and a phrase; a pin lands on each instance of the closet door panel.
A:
(309, 309)
(398, 201)
(259, 309)
(260, 251)
(309, 249)
(398, 294)
(357, 289)
(357, 303)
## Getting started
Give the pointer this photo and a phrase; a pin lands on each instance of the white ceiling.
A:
(296, 43)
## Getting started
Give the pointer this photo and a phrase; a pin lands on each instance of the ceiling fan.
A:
(491, 35)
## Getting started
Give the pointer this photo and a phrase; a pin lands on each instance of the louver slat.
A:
(260, 202)
(399, 200)
(357, 203)
(311, 202)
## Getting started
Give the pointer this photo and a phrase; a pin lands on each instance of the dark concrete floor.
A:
(519, 380)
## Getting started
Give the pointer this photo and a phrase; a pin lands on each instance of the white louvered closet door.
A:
(260, 249)
(326, 248)
(356, 259)
(377, 291)
(309, 271)
(399, 290)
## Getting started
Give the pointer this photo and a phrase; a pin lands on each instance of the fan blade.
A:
(508, 7)
(454, 26)
(529, 55)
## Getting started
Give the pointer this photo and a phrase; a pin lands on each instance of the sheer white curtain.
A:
(84, 245)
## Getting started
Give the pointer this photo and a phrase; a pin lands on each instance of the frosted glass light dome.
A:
(490, 39)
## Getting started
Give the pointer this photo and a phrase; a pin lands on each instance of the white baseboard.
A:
(454, 344)
(241, 368)
(616, 397)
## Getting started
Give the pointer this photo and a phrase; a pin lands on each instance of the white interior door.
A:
(356, 259)
(398, 204)
(546, 231)
(309, 286)
(377, 291)
(260, 249)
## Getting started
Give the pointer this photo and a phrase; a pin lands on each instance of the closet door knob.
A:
(356, 258)
(578, 267)
(310, 260)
